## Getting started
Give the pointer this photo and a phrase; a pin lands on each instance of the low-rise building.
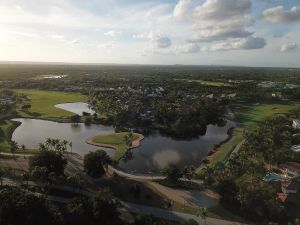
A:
(292, 168)
(296, 124)
(289, 188)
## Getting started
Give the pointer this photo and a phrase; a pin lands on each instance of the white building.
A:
(296, 124)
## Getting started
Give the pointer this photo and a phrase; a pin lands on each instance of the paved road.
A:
(131, 207)
(176, 216)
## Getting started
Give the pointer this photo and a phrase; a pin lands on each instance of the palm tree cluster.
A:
(57, 145)
(240, 178)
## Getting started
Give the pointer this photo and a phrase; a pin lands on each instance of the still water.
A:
(155, 151)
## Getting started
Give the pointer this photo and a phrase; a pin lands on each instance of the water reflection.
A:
(155, 151)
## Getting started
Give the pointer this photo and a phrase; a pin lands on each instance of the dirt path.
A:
(193, 198)
(18, 163)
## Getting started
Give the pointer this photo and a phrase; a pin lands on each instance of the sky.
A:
(190, 32)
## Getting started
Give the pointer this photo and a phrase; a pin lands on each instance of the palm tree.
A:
(168, 204)
(23, 150)
(48, 142)
(14, 147)
(1, 175)
(203, 213)
(25, 177)
(42, 147)
(71, 145)
(65, 143)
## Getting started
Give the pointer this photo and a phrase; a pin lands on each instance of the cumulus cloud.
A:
(216, 20)
(182, 10)
(288, 47)
(158, 41)
(113, 33)
(240, 43)
(188, 48)
(279, 15)
(220, 20)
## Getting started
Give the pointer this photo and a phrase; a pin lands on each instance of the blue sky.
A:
(199, 32)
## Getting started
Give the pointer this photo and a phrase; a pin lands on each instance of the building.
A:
(289, 188)
(292, 168)
(267, 84)
(296, 124)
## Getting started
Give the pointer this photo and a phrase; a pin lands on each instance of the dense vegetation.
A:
(240, 178)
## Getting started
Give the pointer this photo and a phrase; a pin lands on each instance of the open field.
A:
(247, 116)
(43, 102)
(214, 83)
(117, 142)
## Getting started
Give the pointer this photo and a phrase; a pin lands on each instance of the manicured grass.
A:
(214, 83)
(43, 103)
(6, 129)
(247, 116)
(116, 141)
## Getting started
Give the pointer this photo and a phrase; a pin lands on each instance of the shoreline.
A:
(136, 143)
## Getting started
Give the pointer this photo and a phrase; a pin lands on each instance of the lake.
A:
(155, 151)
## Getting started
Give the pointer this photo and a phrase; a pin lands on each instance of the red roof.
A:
(281, 197)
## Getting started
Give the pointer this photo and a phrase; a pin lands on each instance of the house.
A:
(211, 96)
(289, 187)
(231, 96)
(292, 86)
(292, 168)
(282, 197)
(296, 124)
(267, 84)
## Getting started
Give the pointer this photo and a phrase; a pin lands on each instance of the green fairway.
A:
(43, 104)
(116, 141)
(214, 83)
(247, 116)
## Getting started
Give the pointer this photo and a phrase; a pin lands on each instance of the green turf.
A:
(213, 83)
(247, 116)
(43, 103)
(117, 140)
(6, 129)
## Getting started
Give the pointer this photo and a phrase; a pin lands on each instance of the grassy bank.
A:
(43, 104)
(246, 117)
(7, 127)
(116, 141)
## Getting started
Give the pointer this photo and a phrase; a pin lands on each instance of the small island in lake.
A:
(121, 142)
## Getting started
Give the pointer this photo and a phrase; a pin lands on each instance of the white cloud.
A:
(160, 41)
(182, 10)
(219, 20)
(240, 43)
(188, 48)
(279, 15)
(288, 47)
(113, 33)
